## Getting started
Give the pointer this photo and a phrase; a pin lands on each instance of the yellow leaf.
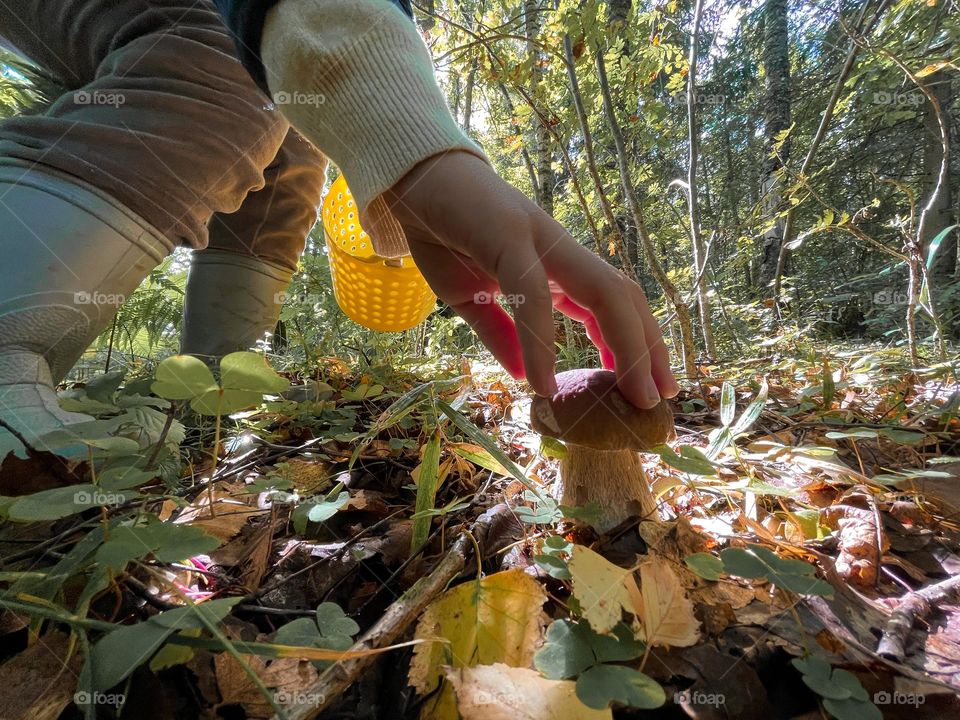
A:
(602, 588)
(932, 67)
(501, 692)
(663, 608)
(495, 620)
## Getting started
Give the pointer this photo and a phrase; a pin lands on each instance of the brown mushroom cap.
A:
(589, 410)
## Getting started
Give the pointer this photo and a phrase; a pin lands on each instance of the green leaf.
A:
(484, 441)
(692, 461)
(168, 543)
(603, 684)
(904, 437)
(123, 477)
(183, 377)
(302, 632)
(843, 695)
(619, 647)
(815, 665)
(334, 623)
(426, 490)
(852, 433)
(705, 565)
(756, 561)
(122, 651)
(752, 412)
(553, 566)
(62, 502)
(327, 508)
(363, 392)
(95, 434)
(171, 655)
(567, 651)
(851, 709)
(728, 404)
(250, 371)
(571, 648)
(546, 512)
(102, 387)
(935, 244)
(552, 448)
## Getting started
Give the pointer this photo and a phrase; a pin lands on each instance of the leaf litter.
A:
(805, 556)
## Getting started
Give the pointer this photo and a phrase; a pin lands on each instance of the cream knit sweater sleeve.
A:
(356, 79)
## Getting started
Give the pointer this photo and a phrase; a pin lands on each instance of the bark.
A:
(636, 211)
(940, 214)
(524, 153)
(591, 162)
(468, 96)
(541, 133)
(693, 195)
(776, 62)
(825, 120)
(427, 19)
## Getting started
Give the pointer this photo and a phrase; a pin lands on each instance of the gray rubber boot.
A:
(71, 255)
(232, 300)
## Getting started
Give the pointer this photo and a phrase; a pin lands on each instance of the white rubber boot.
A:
(71, 255)
(231, 302)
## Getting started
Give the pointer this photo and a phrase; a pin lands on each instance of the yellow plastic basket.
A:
(388, 297)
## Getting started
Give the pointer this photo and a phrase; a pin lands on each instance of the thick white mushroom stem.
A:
(614, 479)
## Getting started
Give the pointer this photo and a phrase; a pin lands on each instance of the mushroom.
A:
(604, 434)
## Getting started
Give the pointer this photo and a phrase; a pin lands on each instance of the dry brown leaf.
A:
(663, 608)
(284, 676)
(39, 682)
(501, 692)
(257, 556)
(861, 542)
(232, 510)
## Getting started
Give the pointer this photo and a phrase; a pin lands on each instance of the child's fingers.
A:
(573, 311)
(607, 294)
(523, 281)
(659, 357)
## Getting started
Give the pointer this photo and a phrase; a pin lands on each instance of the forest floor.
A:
(805, 564)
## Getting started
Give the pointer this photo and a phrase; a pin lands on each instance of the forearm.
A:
(356, 79)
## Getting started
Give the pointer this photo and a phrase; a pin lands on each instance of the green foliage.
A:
(756, 561)
(575, 650)
(245, 377)
(843, 696)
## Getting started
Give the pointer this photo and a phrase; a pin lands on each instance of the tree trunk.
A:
(545, 179)
(693, 196)
(633, 204)
(940, 214)
(776, 62)
(468, 96)
(821, 133)
(613, 227)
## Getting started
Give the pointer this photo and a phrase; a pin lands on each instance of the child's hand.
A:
(473, 235)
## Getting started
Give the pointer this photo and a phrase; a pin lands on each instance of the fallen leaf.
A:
(501, 692)
(602, 588)
(495, 620)
(664, 610)
(861, 543)
(39, 682)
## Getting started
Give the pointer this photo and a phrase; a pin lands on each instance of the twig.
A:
(338, 677)
(913, 606)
